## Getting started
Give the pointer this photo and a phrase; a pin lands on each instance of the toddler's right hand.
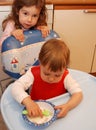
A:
(18, 34)
(32, 107)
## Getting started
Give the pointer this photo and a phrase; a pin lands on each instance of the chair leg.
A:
(1, 83)
(1, 87)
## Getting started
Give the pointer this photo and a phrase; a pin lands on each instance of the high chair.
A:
(18, 56)
(76, 119)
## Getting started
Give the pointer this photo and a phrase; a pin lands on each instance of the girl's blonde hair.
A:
(18, 4)
(55, 54)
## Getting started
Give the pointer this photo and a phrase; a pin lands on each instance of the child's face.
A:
(50, 76)
(28, 16)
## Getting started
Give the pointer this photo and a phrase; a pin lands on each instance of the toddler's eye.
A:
(57, 75)
(46, 74)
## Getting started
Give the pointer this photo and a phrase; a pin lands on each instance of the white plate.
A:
(46, 120)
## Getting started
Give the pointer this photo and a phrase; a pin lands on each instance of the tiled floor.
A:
(2, 124)
(4, 84)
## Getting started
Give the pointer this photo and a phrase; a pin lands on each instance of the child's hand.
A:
(18, 34)
(75, 99)
(44, 30)
(64, 109)
(32, 107)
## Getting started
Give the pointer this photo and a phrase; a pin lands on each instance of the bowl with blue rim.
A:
(48, 111)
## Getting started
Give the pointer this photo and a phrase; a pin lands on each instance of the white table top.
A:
(83, 117)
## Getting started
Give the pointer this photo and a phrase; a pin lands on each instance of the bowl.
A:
(49, 115)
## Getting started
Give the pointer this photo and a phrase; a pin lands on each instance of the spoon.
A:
(44, 112)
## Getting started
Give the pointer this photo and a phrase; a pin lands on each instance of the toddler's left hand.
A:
(64, 109)
(44, 30)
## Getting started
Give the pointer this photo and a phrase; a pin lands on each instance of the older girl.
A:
(25, 14)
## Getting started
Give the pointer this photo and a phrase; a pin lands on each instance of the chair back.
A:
(18, 56)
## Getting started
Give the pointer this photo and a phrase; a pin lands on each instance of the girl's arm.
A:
(74, 101)
(7, 32)
(32, 107)
(76, 96)
(44, 30)
(21, 85)
(18, 34)
(18, 92)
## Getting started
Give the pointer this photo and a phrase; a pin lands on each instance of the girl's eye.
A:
(35, 15)
(25, 13)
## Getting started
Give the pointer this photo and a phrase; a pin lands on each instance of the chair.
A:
(18, 56)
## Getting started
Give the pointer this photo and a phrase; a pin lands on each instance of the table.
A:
(83, 117)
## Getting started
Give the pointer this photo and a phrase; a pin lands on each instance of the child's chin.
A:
(52, 82)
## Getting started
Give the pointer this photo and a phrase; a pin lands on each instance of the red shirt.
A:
(43, 90)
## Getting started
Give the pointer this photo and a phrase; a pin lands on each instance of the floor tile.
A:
(2, 124)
